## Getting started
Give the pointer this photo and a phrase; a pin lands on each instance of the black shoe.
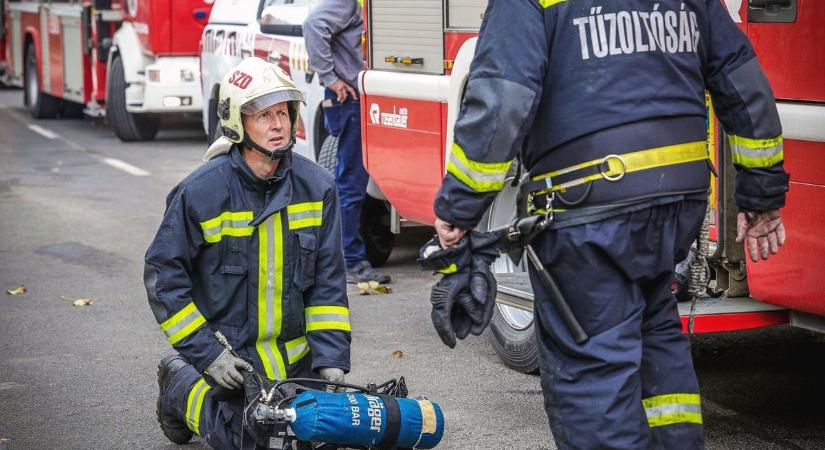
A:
(173, 427)
(363, 271)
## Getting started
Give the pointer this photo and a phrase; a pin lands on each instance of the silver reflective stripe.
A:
(216, 230)
(481, 177)
(763, 153)
(327, 318)
(663, 410)
(311, 214)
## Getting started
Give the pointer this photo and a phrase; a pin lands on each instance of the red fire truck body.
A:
(131, 59)
(412, 90)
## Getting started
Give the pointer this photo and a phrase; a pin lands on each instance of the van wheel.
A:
(128, 127)
(41, 105)
(375, 230)
(511, 329)
(328, 155)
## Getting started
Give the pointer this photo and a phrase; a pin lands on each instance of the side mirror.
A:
(282, 29)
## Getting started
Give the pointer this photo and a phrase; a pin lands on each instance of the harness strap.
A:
(613, 167)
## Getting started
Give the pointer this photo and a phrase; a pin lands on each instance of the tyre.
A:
(328, 155)
(128, 127)
(375, 230)
(511, 329)
(41, 105)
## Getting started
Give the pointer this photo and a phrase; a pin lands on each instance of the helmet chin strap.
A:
(273, 155)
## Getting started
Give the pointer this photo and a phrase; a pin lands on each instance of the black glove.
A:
(483, 247)
(463, 300)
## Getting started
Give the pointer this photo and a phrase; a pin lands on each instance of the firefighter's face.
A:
(270, 128)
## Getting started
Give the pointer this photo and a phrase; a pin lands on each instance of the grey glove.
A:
(224, 370)
(334, 375)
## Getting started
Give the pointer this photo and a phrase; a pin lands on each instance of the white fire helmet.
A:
(251, 87)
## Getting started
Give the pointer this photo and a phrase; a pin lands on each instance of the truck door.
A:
(787, 36)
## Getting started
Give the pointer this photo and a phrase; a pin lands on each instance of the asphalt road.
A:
(76, 223)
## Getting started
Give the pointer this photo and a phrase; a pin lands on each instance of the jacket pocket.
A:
(304, 275)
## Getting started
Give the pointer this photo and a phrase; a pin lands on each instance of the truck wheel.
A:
(328, 155)
(41, 105)
(375, 230)
(128, 127)
(511, 329)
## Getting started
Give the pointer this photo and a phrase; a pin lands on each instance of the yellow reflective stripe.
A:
(631, 162)
(304, 223)
(307, 214)
(671, 409)
(318, 310)
(194, 404)
(452, 268)
(229, 223)
(479, 176)
(182, 323)
(756, 153)
(327, 318)
(270, 295)
(674, 418)
(306, 206)
(296, 349)
(548, 3)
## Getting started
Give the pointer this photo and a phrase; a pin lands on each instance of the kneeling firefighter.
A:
(249, 246)
(605, 101)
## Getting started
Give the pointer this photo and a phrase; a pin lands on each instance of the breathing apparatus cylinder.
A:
(364, 420)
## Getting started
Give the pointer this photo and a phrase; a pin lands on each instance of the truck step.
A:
(710, 315)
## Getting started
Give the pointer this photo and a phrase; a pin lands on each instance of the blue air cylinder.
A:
(364, 420)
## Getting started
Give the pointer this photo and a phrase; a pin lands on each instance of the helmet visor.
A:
(273, 98)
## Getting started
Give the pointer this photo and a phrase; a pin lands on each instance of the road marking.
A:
(126, 167)
(43, 132)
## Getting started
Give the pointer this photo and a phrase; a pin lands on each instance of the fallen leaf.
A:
(16, 291)
(373, 288)
(78, 301)
(397, 354)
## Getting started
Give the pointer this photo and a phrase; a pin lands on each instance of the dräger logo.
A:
(394, 119)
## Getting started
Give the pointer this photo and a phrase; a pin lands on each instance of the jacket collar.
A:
(278, 188)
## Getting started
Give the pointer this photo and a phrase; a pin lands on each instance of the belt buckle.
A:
(612, 178)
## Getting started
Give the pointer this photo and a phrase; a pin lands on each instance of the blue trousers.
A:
(344, 121)
(218, 422)
(632, 385)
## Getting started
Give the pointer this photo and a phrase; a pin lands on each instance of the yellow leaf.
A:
(78, 301)
(16, 291)
(397, 354)
(373, 288)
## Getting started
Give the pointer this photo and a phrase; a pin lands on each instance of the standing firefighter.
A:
(250, 246)
(605, 102)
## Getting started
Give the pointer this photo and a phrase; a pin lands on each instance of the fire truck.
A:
(130, 60)
(418, 63)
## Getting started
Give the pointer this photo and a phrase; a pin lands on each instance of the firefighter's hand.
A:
(762, 232)
(342, 90)
(334, 375)
(448, 235)
(226, 370)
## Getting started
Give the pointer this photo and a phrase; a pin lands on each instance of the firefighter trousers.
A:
(218, 422)
(344, 121)
(632, 385)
